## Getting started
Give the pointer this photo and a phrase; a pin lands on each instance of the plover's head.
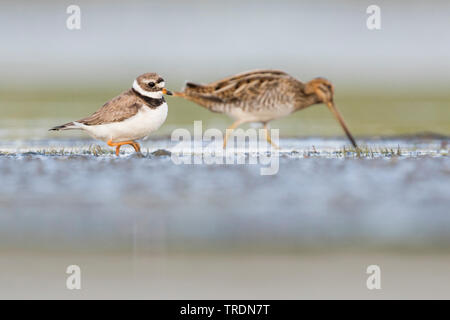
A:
(150, 85)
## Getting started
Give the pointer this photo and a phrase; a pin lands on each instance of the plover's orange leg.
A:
(269, 140)
(230, 130)
(134, 144)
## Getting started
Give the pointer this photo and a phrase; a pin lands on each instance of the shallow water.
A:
(57, 194)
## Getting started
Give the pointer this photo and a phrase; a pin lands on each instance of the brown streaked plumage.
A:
(132, 115)
(262, 96)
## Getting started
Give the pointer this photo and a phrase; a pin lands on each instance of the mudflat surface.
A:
(61, 193)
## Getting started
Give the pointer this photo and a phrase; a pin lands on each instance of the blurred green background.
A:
(367, 113)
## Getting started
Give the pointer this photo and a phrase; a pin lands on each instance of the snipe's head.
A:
(323, 91)
(150, 85)
(321, 88)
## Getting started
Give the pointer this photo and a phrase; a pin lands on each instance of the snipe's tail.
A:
(191, 89)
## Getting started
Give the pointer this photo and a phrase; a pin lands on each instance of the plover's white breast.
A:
(139, 126)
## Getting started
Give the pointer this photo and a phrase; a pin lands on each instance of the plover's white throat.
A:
(132, 115)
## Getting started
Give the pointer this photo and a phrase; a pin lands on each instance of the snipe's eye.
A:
(151, 84)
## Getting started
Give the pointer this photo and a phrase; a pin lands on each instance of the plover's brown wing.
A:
(117, 109)
(250, 89)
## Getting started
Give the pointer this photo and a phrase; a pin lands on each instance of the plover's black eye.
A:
(151, 84)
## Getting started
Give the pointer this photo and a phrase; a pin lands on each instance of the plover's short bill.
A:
(262, 96)
(131, 116)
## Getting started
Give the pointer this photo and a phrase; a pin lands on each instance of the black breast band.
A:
(151, 102)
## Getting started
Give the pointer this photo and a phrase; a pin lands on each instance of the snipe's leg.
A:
(134, 144)
(230, 130)
(269, 140)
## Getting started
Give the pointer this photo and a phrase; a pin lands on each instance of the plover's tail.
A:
(67, 126)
